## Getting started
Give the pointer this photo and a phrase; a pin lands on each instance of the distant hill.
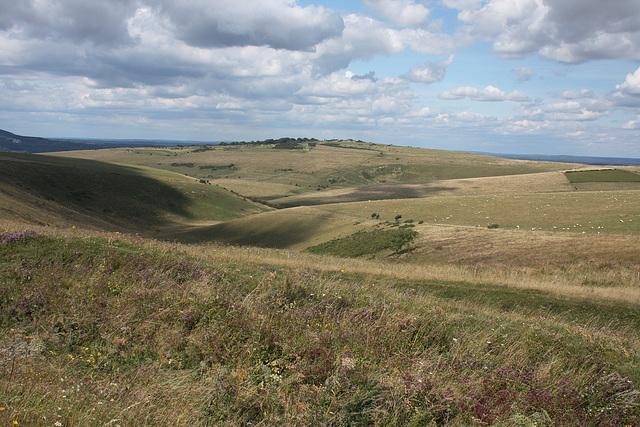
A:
(30, 144)
(10, 142)
(587, 160)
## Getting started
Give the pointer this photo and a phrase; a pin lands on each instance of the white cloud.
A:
(402, 13)
(430, 73)
(214, 65)
(96, 22)
(581, 115)
(524, 74)
(631, 83)
(276, 23)
(570, 94)
(364, 38)
(632, 124)
(488, 94)
(567, 31)
(563, 106)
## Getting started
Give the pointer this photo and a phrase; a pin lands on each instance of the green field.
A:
(609, 175)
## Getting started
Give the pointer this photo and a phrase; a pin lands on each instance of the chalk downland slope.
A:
(246, 168)
(62, 192)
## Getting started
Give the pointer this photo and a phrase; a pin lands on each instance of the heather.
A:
(117, 330)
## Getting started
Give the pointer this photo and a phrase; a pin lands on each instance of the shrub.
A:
(367, 243)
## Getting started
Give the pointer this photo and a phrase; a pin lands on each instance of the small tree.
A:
(375, 216)
(402, 239)
(398, 217)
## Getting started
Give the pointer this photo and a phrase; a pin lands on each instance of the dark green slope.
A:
(64, 191)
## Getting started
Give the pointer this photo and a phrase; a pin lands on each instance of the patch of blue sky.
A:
(353, 6)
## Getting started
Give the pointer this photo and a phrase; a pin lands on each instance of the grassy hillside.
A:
(246, 168)
(613, 212)
(295, 228)
(542, 182)
(471, 290)
(65, 192)
(106, 329)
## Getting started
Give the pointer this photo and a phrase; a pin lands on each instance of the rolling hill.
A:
(395, 286)
(267, 173)
(41, 189)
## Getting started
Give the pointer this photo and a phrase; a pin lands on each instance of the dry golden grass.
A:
(561, 264)
(390, 330)
(559, 267)
(266, 190)
(543, 182)
(295, 229)
(293, 171)
(590, 212)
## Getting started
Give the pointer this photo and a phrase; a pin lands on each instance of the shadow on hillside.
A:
(365, 193)
(277, 233)
(117, 194)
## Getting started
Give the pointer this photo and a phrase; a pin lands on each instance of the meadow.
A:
(291, 172)
(105, 329)
(148, 287)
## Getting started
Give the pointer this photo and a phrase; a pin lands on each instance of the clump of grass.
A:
(119, 330)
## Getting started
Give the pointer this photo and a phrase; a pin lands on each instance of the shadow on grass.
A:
(366, 192)
(117, 194)
(534, 303)
(277, 232)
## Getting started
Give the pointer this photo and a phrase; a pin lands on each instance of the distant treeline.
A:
(282, 143)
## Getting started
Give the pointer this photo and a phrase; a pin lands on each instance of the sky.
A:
(501, 76)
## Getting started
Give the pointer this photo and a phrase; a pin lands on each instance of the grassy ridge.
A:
(320, 167)
(61, 191)
(103, 330)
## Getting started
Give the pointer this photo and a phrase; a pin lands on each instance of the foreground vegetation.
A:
(105, 329)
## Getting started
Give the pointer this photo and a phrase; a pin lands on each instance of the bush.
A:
(367, 243)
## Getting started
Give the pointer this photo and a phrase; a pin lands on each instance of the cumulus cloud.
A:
(631, 84)
(212, 64)
(430, 73)
(97, 22)
(364, 38)
(563, 106)
(275, 23)
(524, 74)
(402, 13)
(572, 94)
(567, 31)
(582, 115)
(488, 94)
(280, 24)
(632, 124)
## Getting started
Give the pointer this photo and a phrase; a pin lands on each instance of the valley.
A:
(326, 282)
